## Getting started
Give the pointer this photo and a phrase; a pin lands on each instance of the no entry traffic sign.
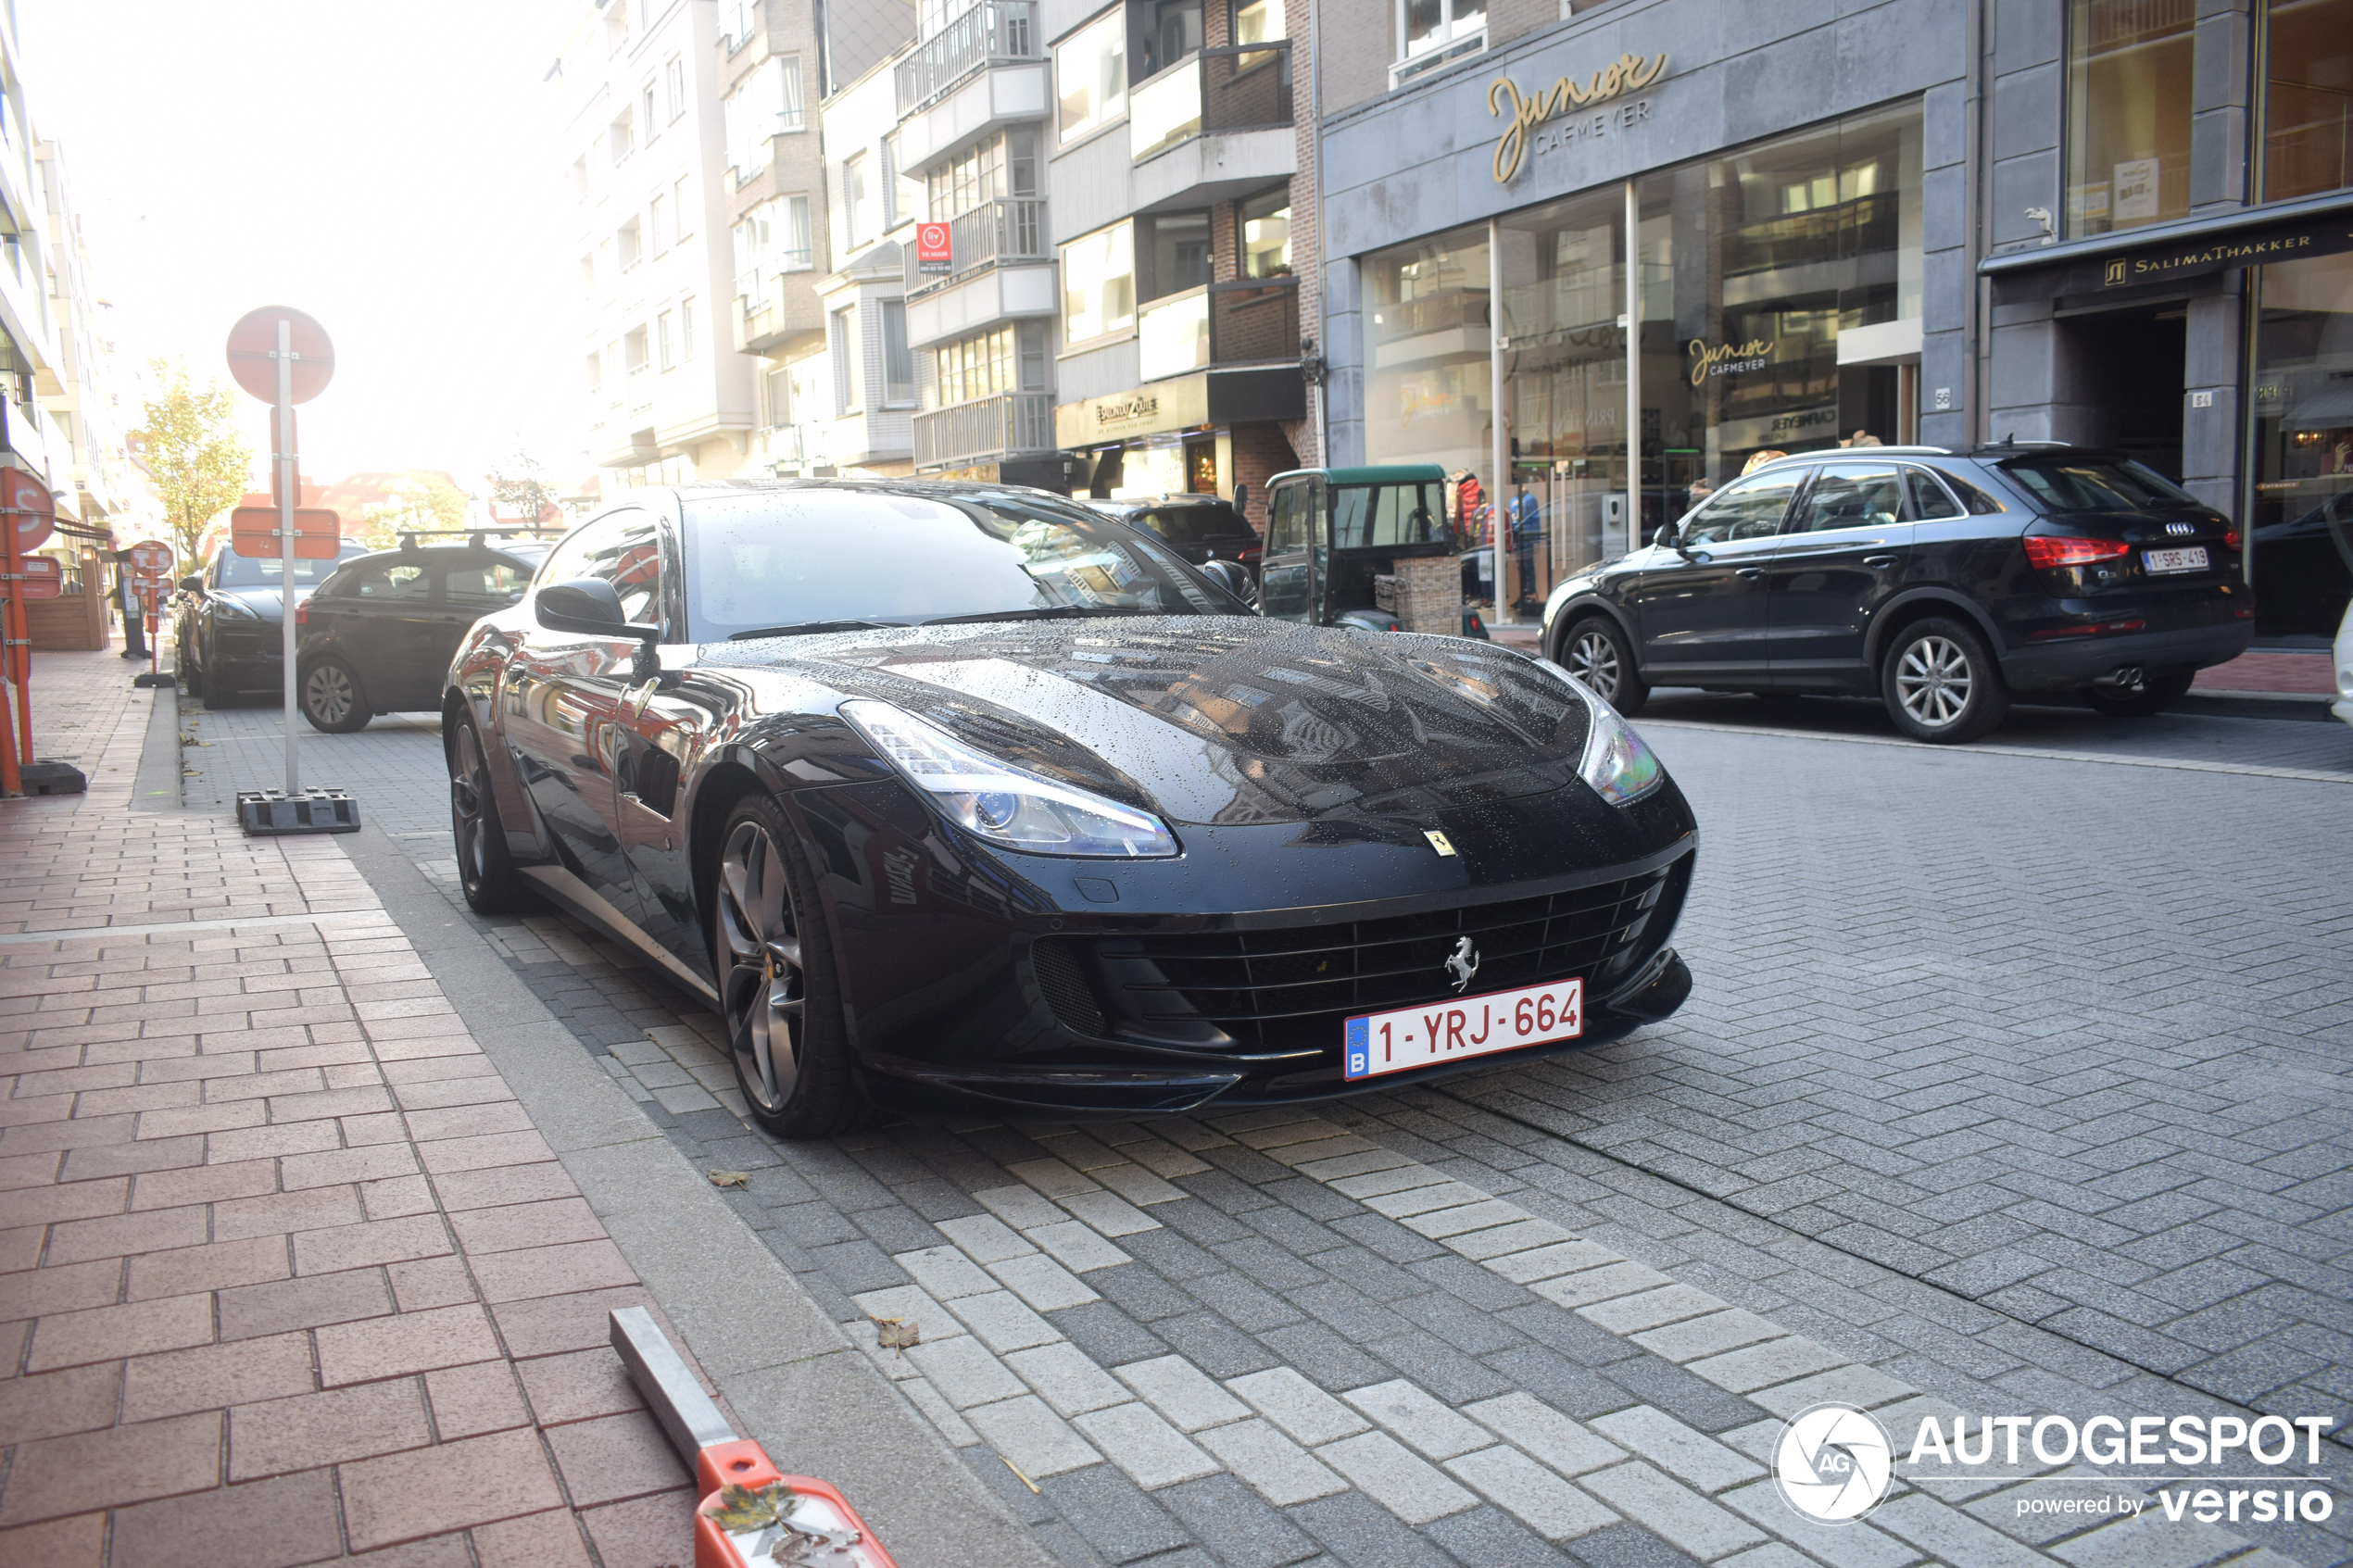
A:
(26, 497)
(253, 354)
(151, 557)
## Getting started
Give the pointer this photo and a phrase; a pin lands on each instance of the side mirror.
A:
(1241, 499)
(588, 607)
(192, 585)
(1234, 577)
(1666, 536)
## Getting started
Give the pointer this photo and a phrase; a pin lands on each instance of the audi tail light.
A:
(2231, 539)
(302, 613)
(2048, 550)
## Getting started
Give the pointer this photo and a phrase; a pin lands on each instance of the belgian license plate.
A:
(1406, 1038)
(2191, 560)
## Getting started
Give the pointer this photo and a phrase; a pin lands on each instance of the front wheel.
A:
(2158, 693)
(331, 699)
(1941, 684)
(772, 956)
(486, 871)
(1597, 652)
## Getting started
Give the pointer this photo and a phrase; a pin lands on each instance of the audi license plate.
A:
(2191, 560)
(1418, 1036)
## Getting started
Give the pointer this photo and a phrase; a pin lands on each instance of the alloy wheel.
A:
(1933, 680)
(1593, 658)
(468, 781)
(328, 694)
(764, 993)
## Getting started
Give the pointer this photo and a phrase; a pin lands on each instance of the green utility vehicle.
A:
(1334, 538)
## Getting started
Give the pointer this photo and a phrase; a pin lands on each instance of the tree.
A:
(520, 484)
(420, 501)
(201, 465)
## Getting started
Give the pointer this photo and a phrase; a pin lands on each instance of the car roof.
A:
(530, 552)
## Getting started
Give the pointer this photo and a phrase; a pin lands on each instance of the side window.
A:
(1287, 520)
(1928, 499)
(1852, 495)
(398, 582)
(630, 558)
(1285, 582)
(569, 557)
(1747, 509)
(1975, 499)
(492, 584)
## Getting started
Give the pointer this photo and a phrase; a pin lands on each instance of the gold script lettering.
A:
(1706, 357)
(1627, 73)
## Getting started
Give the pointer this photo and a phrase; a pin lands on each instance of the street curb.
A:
(155, 788)
(793, 1378)
(2308, 775)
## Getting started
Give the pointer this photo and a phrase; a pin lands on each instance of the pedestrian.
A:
(1526, 517)
(134, 620)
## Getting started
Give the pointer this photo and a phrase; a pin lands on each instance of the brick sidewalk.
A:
(286, 1273)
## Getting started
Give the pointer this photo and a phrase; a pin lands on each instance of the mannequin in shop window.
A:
(1525, 516)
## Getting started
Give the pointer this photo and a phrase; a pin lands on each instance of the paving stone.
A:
(1688, 1341)
(1846, 1385)
(1321, 1354)
(1629, 1314)
(1548, 1505)
(1463, 1218)
(1675, 1512)
(1076, 1248)
(1379, 1466)
(1066, 1378)
(1280, 1471)
(1110, 1213)
(1761, 1366)
(1236, 1526)
(1439, 1194)
(1220, 1351)
(1589, 1285)
(1033, 1439)
(1142, 1292)
(1689, 1456)
(1108, 1335)
(1503, 1241)
(1855, 1544)
(1359, 1531)
(946, 1273)
(1492, 1537)
(1021, 1206)
(986, 1239)
(964, 1372)
(1116, 1520)
(1429, 1426)
(1179, 1391)
(1002, 1323)
(1044, 1284)
(1535, 1426)
(1135, 1437)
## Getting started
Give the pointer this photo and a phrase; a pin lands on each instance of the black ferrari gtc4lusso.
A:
(957, 798)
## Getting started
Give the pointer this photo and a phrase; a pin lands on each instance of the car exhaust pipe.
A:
(2125, 680)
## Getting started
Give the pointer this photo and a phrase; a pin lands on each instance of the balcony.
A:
(997, 30)
(986, 429)
(775, 301)
(1240, 87)
(1254, 321)
(991, 234)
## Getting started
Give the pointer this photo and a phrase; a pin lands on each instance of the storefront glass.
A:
(2128, 112)
(2302, 536)
(1427, 375)
(2308, 97)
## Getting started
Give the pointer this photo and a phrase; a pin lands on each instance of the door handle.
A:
(1879, 563)
(1748, 571)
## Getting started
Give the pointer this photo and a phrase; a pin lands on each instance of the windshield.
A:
(262, 571)
(2095, 484)
(818, 557)
(1193, 525)
(1366, 515)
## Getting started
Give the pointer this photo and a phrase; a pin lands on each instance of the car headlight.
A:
(226, 608)
(1616, 763)
(1005, 805)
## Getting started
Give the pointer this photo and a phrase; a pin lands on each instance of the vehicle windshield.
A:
(819, 558)
(262, 571)
(2096, 484)
(1366, 515)
(1194, 524)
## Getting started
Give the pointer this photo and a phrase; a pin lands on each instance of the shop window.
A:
(1431, 32)
(2301, 538)
(1265, 235)
(1428, 376)
(2308, 97)
(2128, 112)
(1099, 284)
(1091, 76)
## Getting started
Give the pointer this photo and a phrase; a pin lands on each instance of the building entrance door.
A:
(2126, 371)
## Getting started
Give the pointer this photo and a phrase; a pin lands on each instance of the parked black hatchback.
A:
(1199, 528)
(1942, 583)
(378, 636)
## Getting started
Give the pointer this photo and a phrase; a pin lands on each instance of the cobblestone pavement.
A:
(2009, 1084)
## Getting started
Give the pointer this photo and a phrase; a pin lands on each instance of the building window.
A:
(687, 329)
(1258, 21)
(666, 339)
(630, 245)
(1090, 75)
(673, 77)
(633, 346)
(768, 105)
(842, 339)
(658, 225)
(589, 274)
(682, 206)
(2307, 100)
(621, 141)
(737, 20)
(2128, 112)
(1265, 235)
(799, 253)
(596, 374)
(1431, 32)
(1010, 359)
(1099, 284)
(777, 396)
(790, 115)
(1002, 166)
(856, 200)
(645, 115)
(898, 361)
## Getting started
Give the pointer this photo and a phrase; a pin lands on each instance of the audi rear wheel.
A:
(1941, 684)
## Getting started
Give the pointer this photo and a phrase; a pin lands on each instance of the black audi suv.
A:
(1042, 819)
(1941, 583)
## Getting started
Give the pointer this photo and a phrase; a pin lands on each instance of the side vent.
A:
(1061, 979)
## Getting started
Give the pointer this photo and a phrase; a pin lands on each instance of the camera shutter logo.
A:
(1833, 1463)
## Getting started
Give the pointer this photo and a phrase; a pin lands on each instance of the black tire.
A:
(214, 699)
(486, 871)
(1597, 652)
(773, 956)
(333, 698)
(1941, 684)
(191, 674)
(2158, 693)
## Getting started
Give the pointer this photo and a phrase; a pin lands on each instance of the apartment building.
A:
(670, 396)
(1181, 176)
(91, 410)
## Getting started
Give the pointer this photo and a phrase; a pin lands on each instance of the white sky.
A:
(390, 168)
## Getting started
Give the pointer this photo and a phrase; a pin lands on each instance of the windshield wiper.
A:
(803, 628)
(1044, 612)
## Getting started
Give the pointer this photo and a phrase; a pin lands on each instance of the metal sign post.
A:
(28, 516)
(283, 358)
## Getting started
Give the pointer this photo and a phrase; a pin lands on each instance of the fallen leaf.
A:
(741, 1509)
(731, 1178)
(897, 1333)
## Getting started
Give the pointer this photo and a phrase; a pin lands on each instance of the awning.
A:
(2165, 253)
